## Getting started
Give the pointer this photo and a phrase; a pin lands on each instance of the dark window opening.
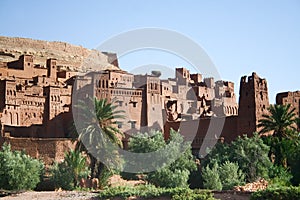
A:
(133, 124)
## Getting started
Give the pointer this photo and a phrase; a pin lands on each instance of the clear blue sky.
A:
(239, 36)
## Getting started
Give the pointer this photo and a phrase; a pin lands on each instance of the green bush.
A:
(211, 177)
(225, 176)
(250, 153)
(279, 176)
(173, 174)
(188, 194)
(290, 193)
(231, 175)
(67, 174)
(18, 171)
(62, 176)
(294, 163)
(150, 191)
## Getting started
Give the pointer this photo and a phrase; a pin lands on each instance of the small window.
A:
(133, 124)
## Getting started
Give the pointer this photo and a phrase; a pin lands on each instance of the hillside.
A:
(67, 55)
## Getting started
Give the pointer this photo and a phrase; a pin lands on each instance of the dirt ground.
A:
(63, 195)
(114, 181)
(75, 195)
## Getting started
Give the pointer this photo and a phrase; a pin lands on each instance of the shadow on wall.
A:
(58, 127)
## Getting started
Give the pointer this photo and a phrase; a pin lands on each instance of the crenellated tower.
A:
(253, 103)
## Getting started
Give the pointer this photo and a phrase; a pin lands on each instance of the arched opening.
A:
(11, 118)
(17, 118)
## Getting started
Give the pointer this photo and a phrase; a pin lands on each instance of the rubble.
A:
(261, 184)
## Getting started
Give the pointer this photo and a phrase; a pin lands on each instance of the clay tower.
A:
(253, 103)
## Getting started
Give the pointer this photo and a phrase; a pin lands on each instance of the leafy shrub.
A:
(294, 162)
(290, 193)
(175, 174)
(18, 171)
(150, 191)
(250, 154)
(225, 176)
(104, 176)
(211, 177)
(279, 176)
(188, 194)
(66, 175)
(62, 176)
(230, 175)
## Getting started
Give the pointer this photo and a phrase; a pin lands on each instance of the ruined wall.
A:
(48, 150)
(197, 130)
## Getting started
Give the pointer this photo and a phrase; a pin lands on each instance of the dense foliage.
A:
(211, 177)
(176, 173)
(250, 155)
(279, 176)
(294, 163)
(67, 174)
(225, 176)
(18, 171)
(281, 122)
(290, 193)
(150, 191)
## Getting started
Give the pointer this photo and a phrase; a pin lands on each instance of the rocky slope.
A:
(67, 55)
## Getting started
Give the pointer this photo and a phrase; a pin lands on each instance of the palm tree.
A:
(77, 164)
(103, 115)
(282, 123)
(106, 115)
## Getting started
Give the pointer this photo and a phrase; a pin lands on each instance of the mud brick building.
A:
(36, 102)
